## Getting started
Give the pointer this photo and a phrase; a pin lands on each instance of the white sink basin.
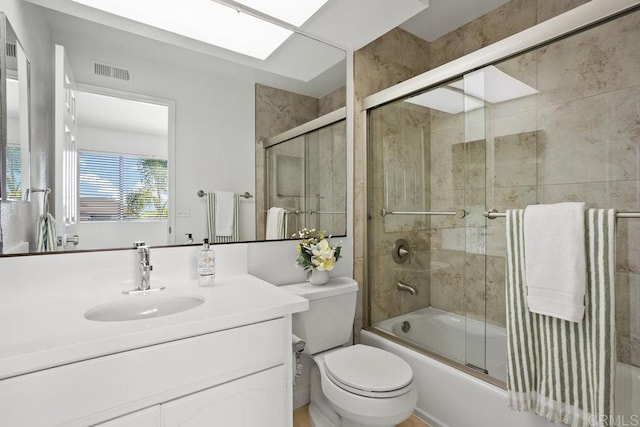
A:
(142, 306)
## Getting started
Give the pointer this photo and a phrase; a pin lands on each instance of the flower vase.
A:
(317, 277)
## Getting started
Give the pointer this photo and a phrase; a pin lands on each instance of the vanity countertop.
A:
(41, 334)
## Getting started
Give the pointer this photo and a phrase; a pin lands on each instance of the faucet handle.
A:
(145, 254)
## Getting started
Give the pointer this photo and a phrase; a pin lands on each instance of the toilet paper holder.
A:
(298, 347)
(298, 344)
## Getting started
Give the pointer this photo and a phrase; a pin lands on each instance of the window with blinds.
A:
(118, 187)
(14, 172)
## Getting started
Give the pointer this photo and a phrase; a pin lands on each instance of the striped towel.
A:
(46, 236)
(564, 370)
(211, 220)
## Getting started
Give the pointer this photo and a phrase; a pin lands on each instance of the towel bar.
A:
(245, 195)
(289, 211)
(493, 214)
(460, 213)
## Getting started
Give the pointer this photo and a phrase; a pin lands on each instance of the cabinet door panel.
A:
(149, 417)
(253, 401)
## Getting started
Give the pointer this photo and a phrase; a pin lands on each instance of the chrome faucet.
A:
(143, 270)
(143, 278)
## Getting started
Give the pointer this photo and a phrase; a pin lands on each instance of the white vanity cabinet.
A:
(234, 377)
(255, 400)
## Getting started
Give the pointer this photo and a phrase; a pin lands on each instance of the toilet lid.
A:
(368, 369)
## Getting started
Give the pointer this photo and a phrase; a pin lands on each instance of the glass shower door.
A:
(475, 149)
(426, 197)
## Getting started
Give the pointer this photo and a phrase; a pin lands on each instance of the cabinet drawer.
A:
(94, 390)
(253, 401)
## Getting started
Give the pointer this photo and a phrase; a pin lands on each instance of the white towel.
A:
(225, 213)
(275, 224)
(555, 260)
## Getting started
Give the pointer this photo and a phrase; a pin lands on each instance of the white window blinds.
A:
(118, 187)
(14, 172)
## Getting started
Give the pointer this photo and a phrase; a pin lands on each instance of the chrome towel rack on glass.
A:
(245, 195)
(289, 211)
(460, 213)
(325, 213)
(493, 214)
(47, 197)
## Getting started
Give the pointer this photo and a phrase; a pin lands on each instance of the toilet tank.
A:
(329, 321)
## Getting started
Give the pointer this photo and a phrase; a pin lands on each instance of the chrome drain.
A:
(406, 326)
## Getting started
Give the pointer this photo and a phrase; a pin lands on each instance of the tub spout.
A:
(407, 288)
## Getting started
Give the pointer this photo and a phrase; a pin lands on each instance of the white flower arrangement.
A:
(315, 250)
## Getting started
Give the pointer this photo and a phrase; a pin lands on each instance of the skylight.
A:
(446, 100)
(203, 20)
(488, 84)
(294, 12)
(494, 86)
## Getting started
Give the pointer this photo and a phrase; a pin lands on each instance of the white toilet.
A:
(350, 386)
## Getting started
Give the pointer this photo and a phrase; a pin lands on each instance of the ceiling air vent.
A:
(11, 50)
(111, 71)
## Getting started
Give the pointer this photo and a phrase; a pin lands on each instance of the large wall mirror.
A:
(15, 133)
(153, 131)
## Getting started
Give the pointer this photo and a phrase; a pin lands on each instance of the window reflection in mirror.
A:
(16, 104)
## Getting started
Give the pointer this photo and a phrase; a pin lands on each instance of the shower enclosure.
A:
(560, 122)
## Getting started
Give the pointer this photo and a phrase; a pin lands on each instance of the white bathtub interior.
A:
(459, 338)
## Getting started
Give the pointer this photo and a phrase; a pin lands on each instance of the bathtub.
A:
(464, 339)
(448, 397)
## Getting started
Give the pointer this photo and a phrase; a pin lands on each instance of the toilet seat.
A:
(368, 371)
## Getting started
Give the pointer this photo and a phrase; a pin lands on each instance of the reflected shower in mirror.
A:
(306, 178)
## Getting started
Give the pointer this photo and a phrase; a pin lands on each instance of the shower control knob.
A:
(400, 251)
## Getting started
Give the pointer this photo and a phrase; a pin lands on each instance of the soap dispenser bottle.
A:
(206, 264)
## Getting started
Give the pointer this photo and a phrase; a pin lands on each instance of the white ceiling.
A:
(444, 16)
(352, 24)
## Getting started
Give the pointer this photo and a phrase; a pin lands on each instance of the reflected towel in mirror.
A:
(46, 236)
(276, 224)
(222, 217)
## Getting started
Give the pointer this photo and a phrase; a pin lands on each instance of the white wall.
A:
(18, 218)
(114, 141)
(214, 123)
(120, 234)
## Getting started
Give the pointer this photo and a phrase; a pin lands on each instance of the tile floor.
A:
(301, 419)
